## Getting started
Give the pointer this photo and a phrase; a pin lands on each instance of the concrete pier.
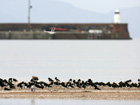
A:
(68, 31)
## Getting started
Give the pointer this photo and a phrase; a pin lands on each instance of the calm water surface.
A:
(101, 60)
(65, 102)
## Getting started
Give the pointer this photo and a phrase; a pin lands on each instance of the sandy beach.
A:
(73, 94)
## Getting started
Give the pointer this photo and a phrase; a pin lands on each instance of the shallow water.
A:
(65, 102)
(100, 60)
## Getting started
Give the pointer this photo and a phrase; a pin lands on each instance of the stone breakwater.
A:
(24, 35)
(64, 31)
(42, 35)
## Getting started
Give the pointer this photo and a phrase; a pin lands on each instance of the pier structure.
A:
(64, 31)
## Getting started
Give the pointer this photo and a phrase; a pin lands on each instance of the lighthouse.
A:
(117, 16)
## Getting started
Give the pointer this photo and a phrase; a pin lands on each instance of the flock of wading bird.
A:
(13, 83)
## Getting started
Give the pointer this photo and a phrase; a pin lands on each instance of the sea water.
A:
(100, 60)
(65, 102)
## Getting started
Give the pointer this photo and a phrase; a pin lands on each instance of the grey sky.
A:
(103, 6)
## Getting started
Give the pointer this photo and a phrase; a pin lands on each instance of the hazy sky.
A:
(103, 6)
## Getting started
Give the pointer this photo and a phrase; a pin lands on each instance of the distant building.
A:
(117, 19)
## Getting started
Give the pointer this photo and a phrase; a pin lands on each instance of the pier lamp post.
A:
(29, 12)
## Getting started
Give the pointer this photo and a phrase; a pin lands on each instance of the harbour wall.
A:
(24, 35)
(41, 35)
(44, 35)
(73, 31)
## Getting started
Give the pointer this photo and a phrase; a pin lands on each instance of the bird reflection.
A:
(33, 102)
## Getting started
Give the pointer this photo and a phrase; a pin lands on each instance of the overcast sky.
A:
(103, 6)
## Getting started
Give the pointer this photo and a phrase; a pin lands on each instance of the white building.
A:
(117, 16)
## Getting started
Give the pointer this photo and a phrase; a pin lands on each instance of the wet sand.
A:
(93, 95)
